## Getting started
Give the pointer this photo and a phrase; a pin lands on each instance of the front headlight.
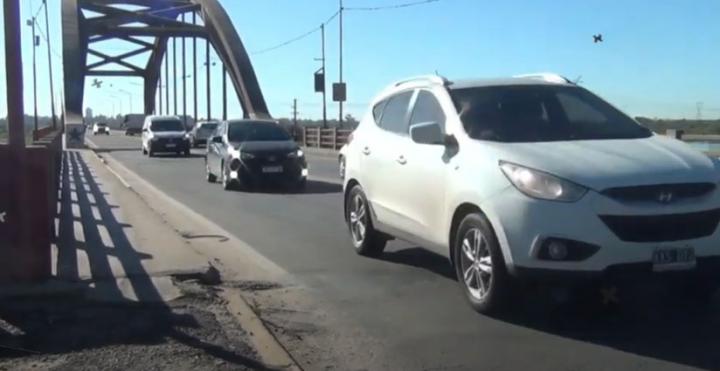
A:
(296, 154)
(538, 184)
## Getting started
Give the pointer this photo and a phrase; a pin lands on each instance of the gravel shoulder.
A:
(195, 332)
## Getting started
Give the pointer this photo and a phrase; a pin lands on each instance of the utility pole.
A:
(295, 113)
(322, 29)
(175, 94)
(52, 85)
(31, 23)
(167, 82)
(207, 72)
(14, 77)
(184, 81)
(224, 91)
(195, 79)
(340, 120)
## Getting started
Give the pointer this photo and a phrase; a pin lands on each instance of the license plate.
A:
(667, 259)
(272, 169)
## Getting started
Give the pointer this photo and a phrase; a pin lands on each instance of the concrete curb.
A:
(270, 350)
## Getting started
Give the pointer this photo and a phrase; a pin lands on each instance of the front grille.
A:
(660, 192)
(661, 228)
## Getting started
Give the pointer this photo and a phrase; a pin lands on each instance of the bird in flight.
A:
(597, 38)
(97, 83)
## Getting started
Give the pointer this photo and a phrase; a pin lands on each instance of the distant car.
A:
(531, 179)
(249, 153)
(341, 161)
(100, 128)
(133, 124)
(201, 132)
(164, 134)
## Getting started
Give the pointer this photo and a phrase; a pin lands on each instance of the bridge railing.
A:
(28, 207)
(317, 137)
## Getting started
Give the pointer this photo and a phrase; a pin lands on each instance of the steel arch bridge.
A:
(149, 25)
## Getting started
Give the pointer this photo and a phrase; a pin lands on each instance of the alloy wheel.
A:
(358, 219)
(476, 263)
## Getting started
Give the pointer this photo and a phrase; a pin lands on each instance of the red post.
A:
(14, 76)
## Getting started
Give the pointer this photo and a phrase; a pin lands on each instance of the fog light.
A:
(234, 174)
(557, 250)
(304, 172)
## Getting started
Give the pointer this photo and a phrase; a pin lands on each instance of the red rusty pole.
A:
(14, 76)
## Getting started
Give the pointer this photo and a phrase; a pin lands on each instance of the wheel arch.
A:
(459, 214)
(351, 183)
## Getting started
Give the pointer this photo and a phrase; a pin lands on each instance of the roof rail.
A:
(435, 79)
(546, 76)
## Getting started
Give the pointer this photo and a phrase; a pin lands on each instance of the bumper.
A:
(168, 146)
(253, 173)
(522, 224)
(707, 268)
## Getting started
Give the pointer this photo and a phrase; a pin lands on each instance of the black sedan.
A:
(252, 153)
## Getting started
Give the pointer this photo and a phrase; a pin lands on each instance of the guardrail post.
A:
(304, 136)
(319, 137)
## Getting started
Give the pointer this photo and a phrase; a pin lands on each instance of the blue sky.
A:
(659, 58)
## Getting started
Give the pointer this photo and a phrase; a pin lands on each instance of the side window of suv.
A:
(378, 111)
(394, 117)
(427, 109)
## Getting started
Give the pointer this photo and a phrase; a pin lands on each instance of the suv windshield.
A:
(256, 132)
(167, 125)
(541, 113)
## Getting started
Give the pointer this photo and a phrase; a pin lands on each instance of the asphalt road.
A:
(409, 300)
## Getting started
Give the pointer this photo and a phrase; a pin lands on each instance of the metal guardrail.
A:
(316, 137)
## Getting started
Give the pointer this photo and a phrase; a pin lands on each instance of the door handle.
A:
(366, 151)
(401, 160)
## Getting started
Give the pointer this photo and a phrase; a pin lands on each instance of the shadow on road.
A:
(312, 187)
(650, 324)
(119, 149)
(116, 328)
(421, 258)
(649, 321)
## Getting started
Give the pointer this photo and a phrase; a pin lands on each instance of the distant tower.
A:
(699, 110)
(88, 114)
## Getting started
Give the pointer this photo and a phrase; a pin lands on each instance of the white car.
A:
(164, 134)
(527, 179)
(100, 128)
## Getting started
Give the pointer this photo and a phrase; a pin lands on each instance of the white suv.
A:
(528, 178)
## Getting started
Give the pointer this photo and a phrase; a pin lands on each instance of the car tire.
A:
(366, 240)
(209, 176)
(224, 179)
(151, 153)
(480, 266)
(187, 152)
(144, 151)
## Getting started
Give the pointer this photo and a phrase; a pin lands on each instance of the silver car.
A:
(202, 131)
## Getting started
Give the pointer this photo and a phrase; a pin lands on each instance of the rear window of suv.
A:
(541, 113)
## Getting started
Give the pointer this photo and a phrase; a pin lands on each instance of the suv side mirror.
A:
(217, 139)
(427, 133)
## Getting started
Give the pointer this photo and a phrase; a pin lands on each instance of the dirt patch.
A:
(195, 332)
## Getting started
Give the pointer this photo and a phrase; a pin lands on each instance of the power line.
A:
(297, 38)
(395, 6)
